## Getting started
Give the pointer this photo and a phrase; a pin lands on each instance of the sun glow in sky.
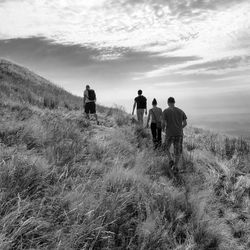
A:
(195, 50)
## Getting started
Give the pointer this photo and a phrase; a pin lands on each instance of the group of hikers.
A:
(171, 121)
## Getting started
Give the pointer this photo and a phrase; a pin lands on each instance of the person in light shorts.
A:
(140, 103)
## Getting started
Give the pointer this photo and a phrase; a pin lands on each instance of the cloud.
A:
(60, 62)
(171, 63)
(224, 63)
(189, 34)
(217, 67)
(172, 84)
(190, 49)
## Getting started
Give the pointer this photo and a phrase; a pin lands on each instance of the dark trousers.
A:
(156, 133)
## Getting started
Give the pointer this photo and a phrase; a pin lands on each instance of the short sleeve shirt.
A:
(156, 114)
(141, 102)
(174, 118)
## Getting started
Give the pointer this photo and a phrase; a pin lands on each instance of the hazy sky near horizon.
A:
(195, 50)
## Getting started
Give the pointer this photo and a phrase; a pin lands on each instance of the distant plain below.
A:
(228, 124)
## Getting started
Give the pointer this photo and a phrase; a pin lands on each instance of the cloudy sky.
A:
(195, 50)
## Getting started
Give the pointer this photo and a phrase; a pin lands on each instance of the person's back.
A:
(89, 95)
(141, 102)
(156, 114)
(174, 118)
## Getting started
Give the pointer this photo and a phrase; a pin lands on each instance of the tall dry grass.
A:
(67, 184)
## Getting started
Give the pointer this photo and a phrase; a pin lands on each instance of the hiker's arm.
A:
(84, 99)
(164, 124)
(148, 119)
(184, 123)
(184, 120)
(162, 121)
(134, 108)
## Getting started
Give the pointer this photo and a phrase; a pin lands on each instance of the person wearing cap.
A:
(155, 114)
(89, 103)
(140, 103)
(174, 120)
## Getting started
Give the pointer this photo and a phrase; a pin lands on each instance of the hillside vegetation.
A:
(67, 184)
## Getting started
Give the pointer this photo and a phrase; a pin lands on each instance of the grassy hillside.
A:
(68, 184)
(20, 85)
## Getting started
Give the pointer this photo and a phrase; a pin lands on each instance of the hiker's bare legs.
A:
(178, 141)
(168, 143)
(177, 161)
(140, 113)
(169, 155)
(87, 116)
(96, 118)
(141, 123)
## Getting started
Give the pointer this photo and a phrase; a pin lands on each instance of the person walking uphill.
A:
(174, 120)
(141, 105)
(89, 100)
(155, 114)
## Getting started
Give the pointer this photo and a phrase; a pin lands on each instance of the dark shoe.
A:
(175, 169)
(171, 164)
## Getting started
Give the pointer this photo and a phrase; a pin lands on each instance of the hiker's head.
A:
(154, 102)
(139, 92)
(87, 87)
(171, 101)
